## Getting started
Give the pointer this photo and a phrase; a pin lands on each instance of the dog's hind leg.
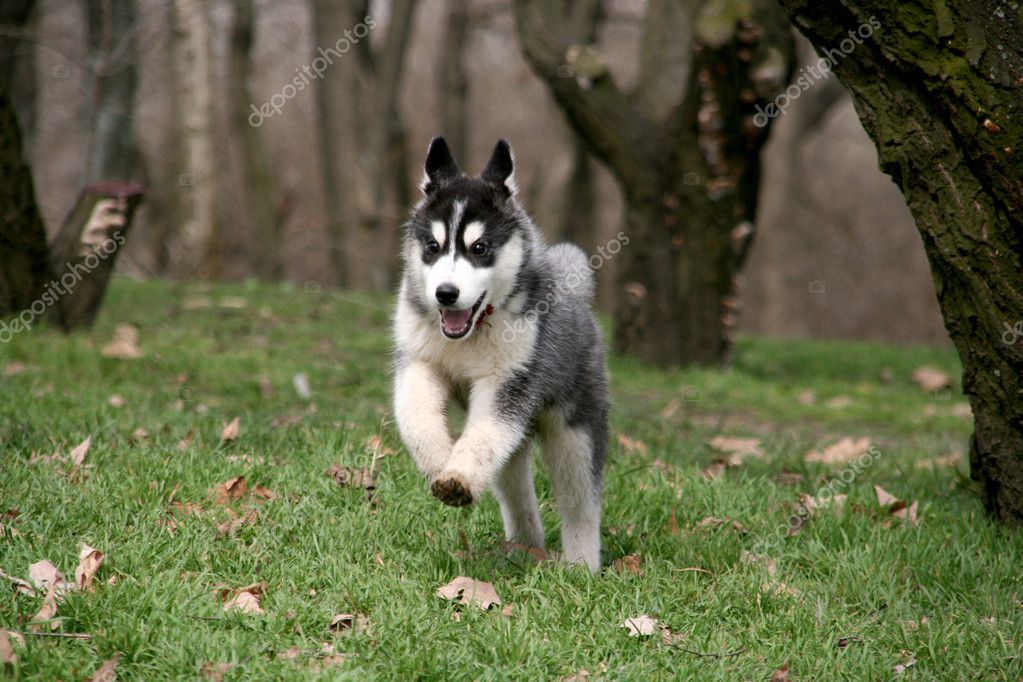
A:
(569, 454)
(517, 495)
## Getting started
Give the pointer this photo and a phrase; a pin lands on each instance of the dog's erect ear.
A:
(500, 167)
(440, 166)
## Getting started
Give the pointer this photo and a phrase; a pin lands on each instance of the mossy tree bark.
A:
(939, 88)
(684, 147)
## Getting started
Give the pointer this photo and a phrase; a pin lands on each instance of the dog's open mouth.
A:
(457, 323)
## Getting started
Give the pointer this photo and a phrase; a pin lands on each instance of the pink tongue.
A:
(455, 320)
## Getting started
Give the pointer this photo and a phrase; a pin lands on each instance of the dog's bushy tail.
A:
(572, 272)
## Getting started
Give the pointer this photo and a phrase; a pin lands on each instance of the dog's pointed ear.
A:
(499, 169)
(440, 166)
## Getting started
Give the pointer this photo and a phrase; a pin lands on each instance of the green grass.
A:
(948, 592)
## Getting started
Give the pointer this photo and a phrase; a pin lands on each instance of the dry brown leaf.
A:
(807, 397)
(108, 671)
(640, 626)
(352, 477)
(630, 563)
(781, 674)
(125, 344)
(713, 522)
(45, 575)
(231, 430)
(236, 522)
(908, 661)
(230, 490)
(538, 553)
(246, 602)
(263, 493)
(13, 369)
(840, 452)
(89, 560)
(737, 449)
(582, 676)
(670, 409)
(507, 610)
(7, 655)
(139, 436)
(344, 622)
(470, 592)
(630, 445)
(77, 455)
(116, 401)
(930, 379)
(908, 513)
(46, 612)
(838, 402)
(885, 498)
(214, 671)
(952, 459)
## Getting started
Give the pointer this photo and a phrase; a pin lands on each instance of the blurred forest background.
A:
(317, 192)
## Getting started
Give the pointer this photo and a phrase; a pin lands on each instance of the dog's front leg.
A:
(492, 433)
(420, 409)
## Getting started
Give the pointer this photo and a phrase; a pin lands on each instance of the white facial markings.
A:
(473, 231)
(440, 232)
(456, 215)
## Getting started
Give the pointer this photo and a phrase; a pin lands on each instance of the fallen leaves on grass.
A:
(46, 612)
(44, 575)
(538, 553)
(230, 490)
(908, 661)
(231, 430)
(640, 626)
(351, 477)
(781, 674)
(22, 586)
(629, 563)
(214, 671)
(349, 622)
(245, 599)
(630, 445)
(124, 345)
(13, 369)
(952, 459)
(116, 401)
(108, 671)
(236, 522)
(898, 508)
(377, 447)
(470, 592)
(714, 522)
(737, 449)
(89, 560)
(840, 452)
(715, 470)
(7, 655)
(930, 379)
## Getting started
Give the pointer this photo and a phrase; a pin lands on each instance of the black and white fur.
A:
(532, 367)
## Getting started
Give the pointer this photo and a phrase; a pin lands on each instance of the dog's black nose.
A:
(447, 294)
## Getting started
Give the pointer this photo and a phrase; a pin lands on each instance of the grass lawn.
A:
(855, 593)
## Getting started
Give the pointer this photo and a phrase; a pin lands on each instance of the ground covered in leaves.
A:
(209, 484)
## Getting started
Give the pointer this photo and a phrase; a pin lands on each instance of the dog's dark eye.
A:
(432, 247)
(478, 248)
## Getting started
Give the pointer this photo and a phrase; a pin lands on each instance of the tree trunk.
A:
(362, 130)
(939, 88)
(84, 252)
(578, 207)
(22, 233)
(113, 149)
(454, 85)
(684, 145)
(193, 80)
(258, 186)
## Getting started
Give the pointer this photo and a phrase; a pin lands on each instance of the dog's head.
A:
(465, 240)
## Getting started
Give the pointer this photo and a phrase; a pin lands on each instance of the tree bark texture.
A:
(684, 147)
(939, 88)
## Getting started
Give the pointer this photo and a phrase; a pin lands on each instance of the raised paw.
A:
(451, 490)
